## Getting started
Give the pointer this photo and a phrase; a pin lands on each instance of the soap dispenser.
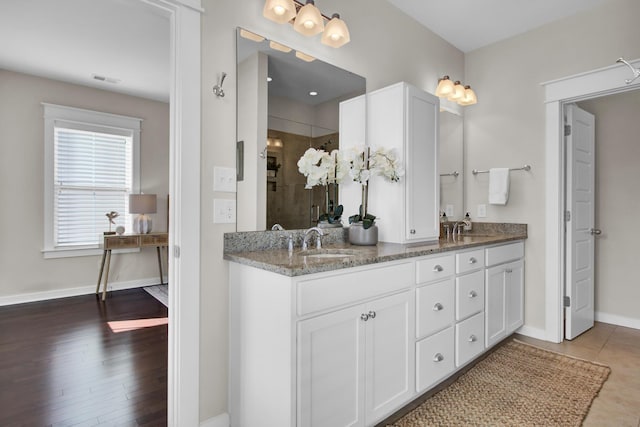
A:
(467, 222)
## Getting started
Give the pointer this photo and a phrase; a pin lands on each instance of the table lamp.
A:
(142, 204)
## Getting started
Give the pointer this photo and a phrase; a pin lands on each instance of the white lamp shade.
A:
(336, 33)
(309, 21)
(142, 203)
(458, 92)
(445, 87)
(280, 11)
(469, 97)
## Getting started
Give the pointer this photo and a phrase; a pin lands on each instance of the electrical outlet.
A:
(224, 179)
(482, 211)
(449, 211)
(224, 211)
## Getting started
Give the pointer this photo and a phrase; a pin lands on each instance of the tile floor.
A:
(618, 403)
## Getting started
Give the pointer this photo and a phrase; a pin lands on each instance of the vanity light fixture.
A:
(280, 11)
(251, 36)
(308, 20)
(304, 56)
(275, 142)
(456, 92)
(279, 47)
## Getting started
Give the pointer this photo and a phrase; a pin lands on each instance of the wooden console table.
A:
(129, 241)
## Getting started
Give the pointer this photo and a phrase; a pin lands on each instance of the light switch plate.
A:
(482, 211)
(224, 179)
(224, 211)
(449, 211)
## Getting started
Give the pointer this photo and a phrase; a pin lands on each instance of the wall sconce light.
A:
(308, 20)
(456, 92)
(275, 142)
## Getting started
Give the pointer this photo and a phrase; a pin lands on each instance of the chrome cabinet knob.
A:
(412, 231)
(472, 260)
(438, 357)
(473, 294)
(595, 231)
(437, 268)
(508, 270)
(364, 316)
(372, 314)
(473, 338)
(438, 307)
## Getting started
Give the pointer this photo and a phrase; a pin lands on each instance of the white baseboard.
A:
(614, 319)
(531, 332)
(221, 420)
(72, 292)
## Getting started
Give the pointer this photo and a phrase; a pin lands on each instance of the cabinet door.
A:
(389, 355)
(331, 369)
(422, 179)
(515, 295)
(495, 316)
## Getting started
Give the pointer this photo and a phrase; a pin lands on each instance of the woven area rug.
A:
(159, 292)
(516, 385)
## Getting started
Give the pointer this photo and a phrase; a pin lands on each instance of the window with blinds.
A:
(92, 176)
(91, 165)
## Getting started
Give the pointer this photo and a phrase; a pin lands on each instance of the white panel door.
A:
(390, 357)
(331, 369)
(579, 282)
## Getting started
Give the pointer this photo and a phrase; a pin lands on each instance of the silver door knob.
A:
(438, 357)
(372, 314)
(438, 307)
(473, 338)
(472, 260)
(595, 231)
(473, 294)
(412, 231)
(364, 316)
(437, 268)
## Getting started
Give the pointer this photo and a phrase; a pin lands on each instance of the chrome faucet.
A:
(305, 243)
(277, 227)
(457, 227)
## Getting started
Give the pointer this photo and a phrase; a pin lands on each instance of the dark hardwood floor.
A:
(83, 362)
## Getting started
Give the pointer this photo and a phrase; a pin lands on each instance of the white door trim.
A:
(591, 84)
(184, 211)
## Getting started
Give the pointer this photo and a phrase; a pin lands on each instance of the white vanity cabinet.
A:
(405, 118)
(504, 291)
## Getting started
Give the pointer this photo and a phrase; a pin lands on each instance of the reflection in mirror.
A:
(450, 162)
(278, 120)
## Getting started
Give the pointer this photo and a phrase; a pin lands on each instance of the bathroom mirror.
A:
(286, 103)
(451, 165)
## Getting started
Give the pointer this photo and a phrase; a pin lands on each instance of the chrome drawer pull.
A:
(364, 316)
(473, 338)
(437, 268)
(438, 307)
(473, 294)
(372, 314)
(438, 357)
(472, 260)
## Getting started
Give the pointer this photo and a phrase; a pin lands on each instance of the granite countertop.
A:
(339, 254)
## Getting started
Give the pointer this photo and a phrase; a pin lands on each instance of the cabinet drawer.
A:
(499, 254)
(469, 294)
(469, 261)
(333, 290)
(434, 359)
(434, 307)
(434, 268)
(154, 239)
(121, 242)
(469, 339)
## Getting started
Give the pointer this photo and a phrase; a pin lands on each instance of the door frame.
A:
(591, 84)
(183, 407)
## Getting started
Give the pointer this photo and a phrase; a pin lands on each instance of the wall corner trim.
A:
(221, 420)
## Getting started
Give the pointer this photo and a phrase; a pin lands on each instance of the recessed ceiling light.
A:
(269, 79)
(313, 93)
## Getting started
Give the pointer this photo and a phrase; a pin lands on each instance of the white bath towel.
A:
(498, 186)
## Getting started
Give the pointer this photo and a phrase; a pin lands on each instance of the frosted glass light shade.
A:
(469, 97)
(309, 20)
(280, 11)
(335, 33)
(445, 87)
(458, 92)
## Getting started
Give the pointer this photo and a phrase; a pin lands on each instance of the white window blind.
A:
(92, 176)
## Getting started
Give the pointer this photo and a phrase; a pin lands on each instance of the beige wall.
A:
(617, 202)
(506, 127)
(23, 269)
(386, 47)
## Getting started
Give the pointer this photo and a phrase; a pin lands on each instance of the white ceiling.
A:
(471, 24)
(70, 40)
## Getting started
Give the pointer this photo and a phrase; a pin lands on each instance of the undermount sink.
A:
(328, 253)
